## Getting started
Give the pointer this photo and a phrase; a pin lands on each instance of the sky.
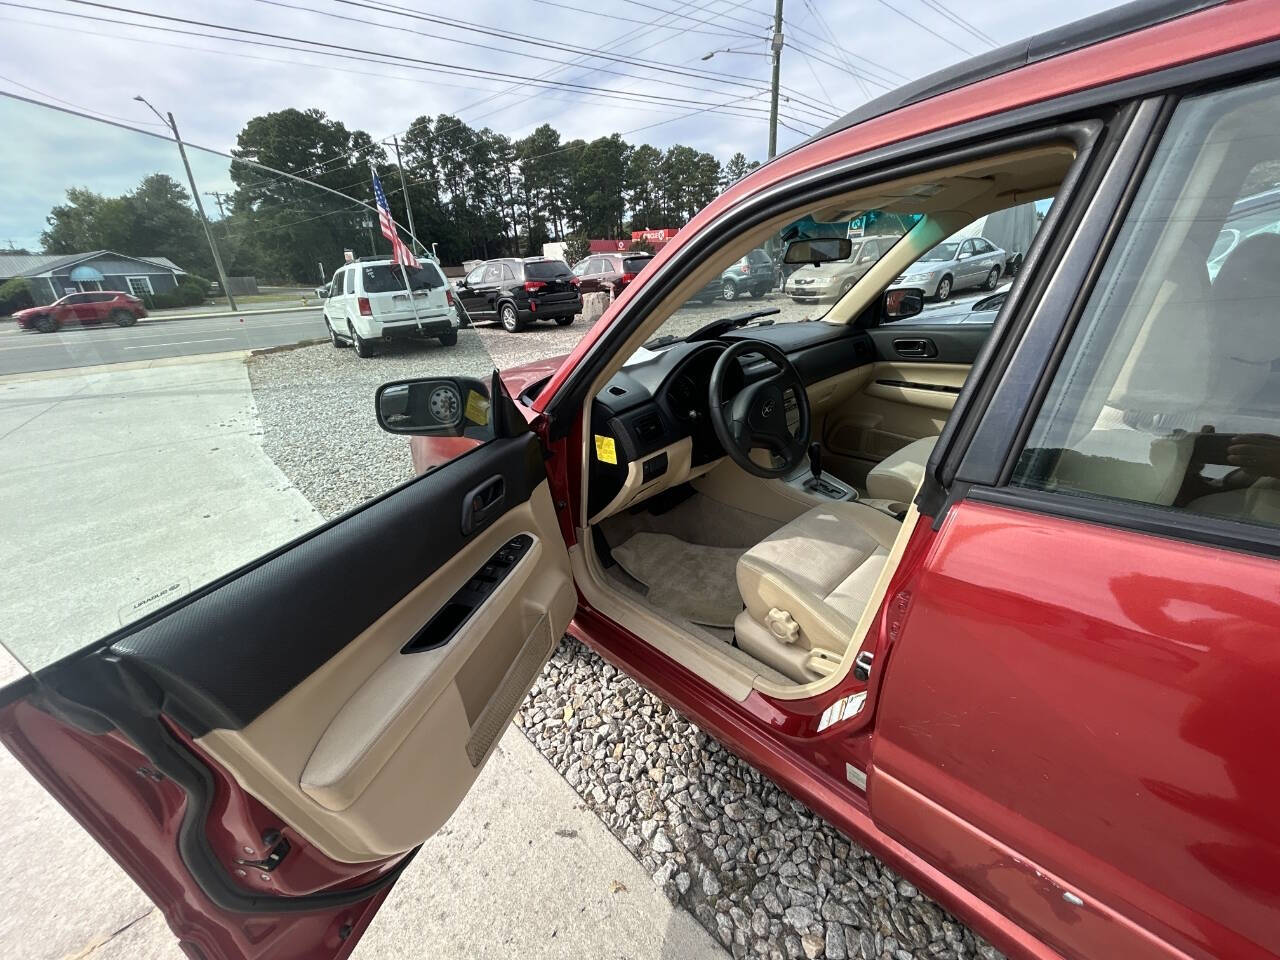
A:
(838, 54)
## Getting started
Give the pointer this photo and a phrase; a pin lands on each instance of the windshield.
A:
(546, 269)
(757, 279)
(943, 251)
(384, 278)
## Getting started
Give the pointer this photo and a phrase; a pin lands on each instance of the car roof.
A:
(1126, 18)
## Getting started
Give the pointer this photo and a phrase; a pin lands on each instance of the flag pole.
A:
(404, 273)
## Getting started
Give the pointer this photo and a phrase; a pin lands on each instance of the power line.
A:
(815, 38)
(843, 54)
(960, 21)
(335, 50)
(80, 107)
(654, 25)
(900, 12)
(617, 16)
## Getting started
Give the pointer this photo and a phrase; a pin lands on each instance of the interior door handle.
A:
(482, 504)
(922, 348)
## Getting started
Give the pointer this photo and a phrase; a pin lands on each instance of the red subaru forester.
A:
(1001, 602)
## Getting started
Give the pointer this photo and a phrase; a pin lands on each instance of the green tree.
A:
(642, 187)
(596, 182)
(154, 219)
(576, 246)
(281, 227)
(737, 168)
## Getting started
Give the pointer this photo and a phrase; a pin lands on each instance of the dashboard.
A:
(651, 423)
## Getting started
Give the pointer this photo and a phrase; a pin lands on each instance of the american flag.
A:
(399, 252)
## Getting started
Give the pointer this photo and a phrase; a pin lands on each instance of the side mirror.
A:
(902, 303)
(818, 251)
(434, 407)
(963, 256)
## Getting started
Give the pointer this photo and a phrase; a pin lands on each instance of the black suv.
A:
(517, 291)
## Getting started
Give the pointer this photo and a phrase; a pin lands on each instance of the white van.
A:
(368, 302)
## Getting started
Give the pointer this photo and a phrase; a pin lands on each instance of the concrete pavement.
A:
(24, 351)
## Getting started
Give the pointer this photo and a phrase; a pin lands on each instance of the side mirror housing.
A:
(963, 256)
(818, 251)
(434, 407)
(901, 303)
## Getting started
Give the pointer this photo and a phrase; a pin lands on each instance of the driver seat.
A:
(805, 587)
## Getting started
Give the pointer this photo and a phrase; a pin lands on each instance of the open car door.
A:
(265, 755)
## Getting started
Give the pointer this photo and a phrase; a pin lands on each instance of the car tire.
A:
(47, 324)
(122, 318)
(728, 290)
(510, 318)
(943, 291)
(361, 345)
(564, 321)
(337, 342)
(757, 292)
(993, 279)
(449, 339)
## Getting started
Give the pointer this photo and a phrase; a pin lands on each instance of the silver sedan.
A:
(956, 265)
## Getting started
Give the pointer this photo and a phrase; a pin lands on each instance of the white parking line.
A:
(179, 343)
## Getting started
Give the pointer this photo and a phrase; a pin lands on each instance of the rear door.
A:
(1094, 619)
(264, 749)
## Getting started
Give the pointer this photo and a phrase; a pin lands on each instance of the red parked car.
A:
(102, 306)
(608, 272)
(1032, 666)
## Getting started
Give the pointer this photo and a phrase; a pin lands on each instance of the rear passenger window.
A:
(1169, 393)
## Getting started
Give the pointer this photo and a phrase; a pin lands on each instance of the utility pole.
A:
(218, 198)
(408, 207)
(776, 46)
(195, 195)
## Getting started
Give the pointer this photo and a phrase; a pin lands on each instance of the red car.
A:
(608, 272)
(1033, 667)
(104, 306)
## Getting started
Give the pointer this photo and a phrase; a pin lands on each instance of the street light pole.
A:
(195, 195)
(776, 46)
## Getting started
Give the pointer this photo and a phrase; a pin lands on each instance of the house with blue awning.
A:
(55, 275)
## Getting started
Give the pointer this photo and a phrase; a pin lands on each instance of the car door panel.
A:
(915, 381)
(282, 689)
(1109, 760)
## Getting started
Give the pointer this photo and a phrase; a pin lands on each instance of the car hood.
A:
(29, 311)
(518, 379)
(823, 270)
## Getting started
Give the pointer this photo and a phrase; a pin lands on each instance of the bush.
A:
(190, 292)
(15, 295)
(641, 246)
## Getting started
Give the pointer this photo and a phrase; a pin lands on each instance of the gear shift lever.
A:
(815, 461)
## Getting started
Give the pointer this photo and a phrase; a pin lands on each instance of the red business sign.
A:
(664, 234)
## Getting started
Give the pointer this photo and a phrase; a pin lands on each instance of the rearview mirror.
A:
(435, 406)
(820, 250)
(902, 303)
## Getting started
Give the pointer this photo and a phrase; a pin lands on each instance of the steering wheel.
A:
(756, 417)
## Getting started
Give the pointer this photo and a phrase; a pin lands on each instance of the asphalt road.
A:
(24, 351)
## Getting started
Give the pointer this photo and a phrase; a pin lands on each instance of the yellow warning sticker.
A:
(477, 408)
(606, 449)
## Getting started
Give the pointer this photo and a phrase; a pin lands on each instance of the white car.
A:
(368, 303)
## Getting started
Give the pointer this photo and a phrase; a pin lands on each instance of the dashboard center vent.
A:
(648, 428)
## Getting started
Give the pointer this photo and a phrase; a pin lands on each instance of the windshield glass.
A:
(384, 278)
(757, 279)
(634, 264)
(943, 251)
(546, 269)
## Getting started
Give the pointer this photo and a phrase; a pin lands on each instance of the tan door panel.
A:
(370, 755)
(888, 413)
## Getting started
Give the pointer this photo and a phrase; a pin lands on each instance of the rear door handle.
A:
(915, 349)
(482, 504)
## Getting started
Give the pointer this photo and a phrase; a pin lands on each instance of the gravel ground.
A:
(760, 871)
